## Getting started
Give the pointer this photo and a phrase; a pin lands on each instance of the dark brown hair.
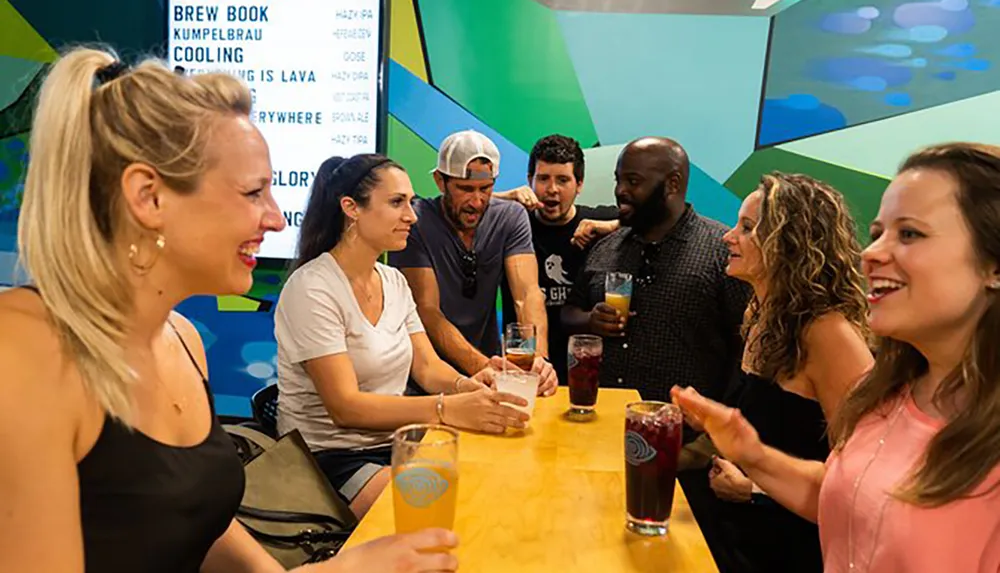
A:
(964, 452)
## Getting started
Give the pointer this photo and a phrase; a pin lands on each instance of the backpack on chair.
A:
(288, 505)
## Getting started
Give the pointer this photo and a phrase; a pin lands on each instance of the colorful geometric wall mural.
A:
(838, 89)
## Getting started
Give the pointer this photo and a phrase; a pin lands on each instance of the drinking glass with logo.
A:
(618, 292)
(424, 477)
(583, 360)
(652, 449)
(519, 344)
(523, 384)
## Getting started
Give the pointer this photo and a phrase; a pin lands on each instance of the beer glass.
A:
(523, 384)
(519, 344)
(652, 449)
(583, 361)
(424, 477)
(618, 292)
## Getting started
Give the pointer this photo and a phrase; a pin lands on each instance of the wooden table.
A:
(552, 499)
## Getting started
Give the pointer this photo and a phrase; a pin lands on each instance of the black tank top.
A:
(146, 506)
(766, 537)
(784, 420)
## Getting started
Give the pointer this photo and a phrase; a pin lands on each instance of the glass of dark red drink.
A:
(584, 354)
(652, 449)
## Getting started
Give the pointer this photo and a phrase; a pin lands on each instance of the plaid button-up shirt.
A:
(688, 311)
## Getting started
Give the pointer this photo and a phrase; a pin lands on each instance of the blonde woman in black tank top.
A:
(144, 188)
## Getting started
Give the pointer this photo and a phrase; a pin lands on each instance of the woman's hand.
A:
(483, 411)
(406, 553)
(732, 435)
(487, 377)
(728, 482)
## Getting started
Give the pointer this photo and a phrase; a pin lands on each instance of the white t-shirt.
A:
(318, 315)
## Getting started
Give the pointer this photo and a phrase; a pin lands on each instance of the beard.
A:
(454, 214)
(650, 212)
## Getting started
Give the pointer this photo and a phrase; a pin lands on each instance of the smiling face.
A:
(384, 222)
(641, 189)
(213, 234)
(745, 259)
(925, 279)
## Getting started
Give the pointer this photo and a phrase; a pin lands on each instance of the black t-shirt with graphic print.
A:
(558, 264)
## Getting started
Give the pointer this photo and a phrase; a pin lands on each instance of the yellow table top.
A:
(552, 499)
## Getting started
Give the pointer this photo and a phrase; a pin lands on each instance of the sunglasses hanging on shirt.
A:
(647, 272)
(469, 265)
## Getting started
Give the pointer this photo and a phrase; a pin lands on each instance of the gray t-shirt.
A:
(318, 315)
(504, 230)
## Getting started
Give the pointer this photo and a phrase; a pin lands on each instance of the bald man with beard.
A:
(685, 312)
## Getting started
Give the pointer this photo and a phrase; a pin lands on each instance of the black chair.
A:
(264, 404)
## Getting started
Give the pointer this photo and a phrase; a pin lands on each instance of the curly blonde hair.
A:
(812, 265)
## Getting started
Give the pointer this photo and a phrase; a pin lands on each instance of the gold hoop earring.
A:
(142, 268)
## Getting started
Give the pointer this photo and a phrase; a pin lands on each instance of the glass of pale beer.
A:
(424, 477)
(618, 292)
(519, 344)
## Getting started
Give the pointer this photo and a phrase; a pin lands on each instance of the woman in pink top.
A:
(913, 484)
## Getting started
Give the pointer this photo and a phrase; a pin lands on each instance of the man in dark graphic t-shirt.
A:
(562, 231)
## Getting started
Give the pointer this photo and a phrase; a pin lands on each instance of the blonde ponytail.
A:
(72, 216)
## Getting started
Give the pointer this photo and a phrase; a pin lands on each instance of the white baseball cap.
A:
(461, 148)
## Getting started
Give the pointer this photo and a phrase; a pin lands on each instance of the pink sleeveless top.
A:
(891, 536)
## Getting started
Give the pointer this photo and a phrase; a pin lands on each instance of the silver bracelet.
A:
(440, 407)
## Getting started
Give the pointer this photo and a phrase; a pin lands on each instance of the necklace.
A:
(365, 290)
(178, 406)
(857, 485)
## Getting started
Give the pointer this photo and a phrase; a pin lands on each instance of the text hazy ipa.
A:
(652, 448)
(424, 495)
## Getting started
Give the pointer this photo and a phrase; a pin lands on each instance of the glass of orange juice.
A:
(618, 292)
(424, 477)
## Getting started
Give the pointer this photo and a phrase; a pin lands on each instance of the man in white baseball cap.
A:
(460, 148)
(461, 248)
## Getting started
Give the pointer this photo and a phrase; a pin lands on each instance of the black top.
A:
(686, 331)
(785, 421)
(146, 506)
(763, 537)
(559, 262)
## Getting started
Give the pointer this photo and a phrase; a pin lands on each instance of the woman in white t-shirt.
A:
(349, 336)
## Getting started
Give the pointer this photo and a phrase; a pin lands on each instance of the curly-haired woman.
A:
(806, 332)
